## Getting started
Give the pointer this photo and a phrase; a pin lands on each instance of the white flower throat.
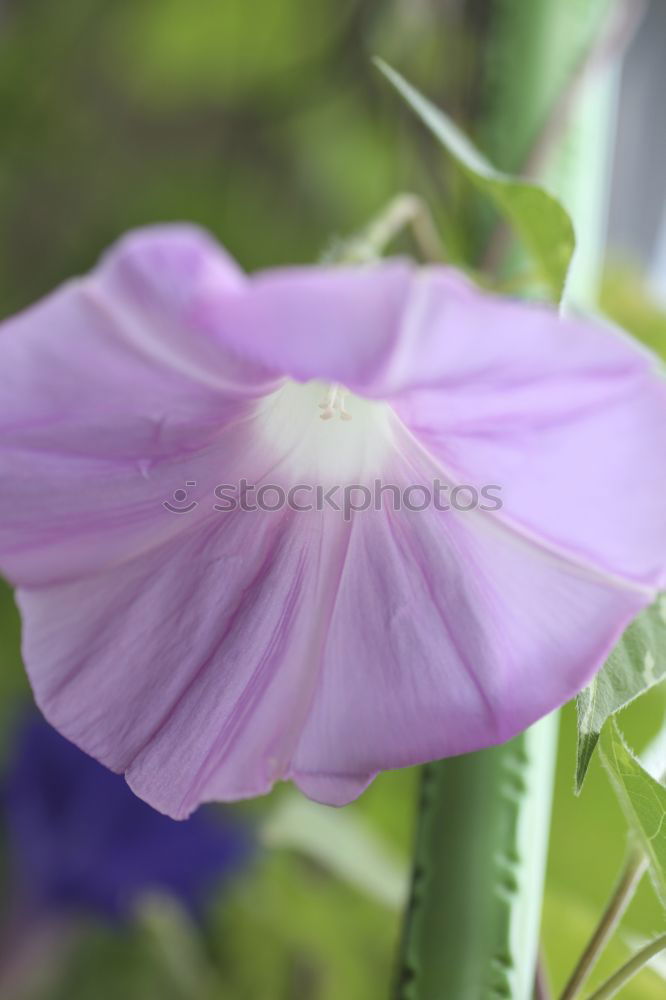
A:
(325, 432)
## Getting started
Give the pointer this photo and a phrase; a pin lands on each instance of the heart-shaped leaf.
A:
(538, 218)
(642, 799)
(635, 665)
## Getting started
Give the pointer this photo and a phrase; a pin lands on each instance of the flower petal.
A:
(206, 658)
(297, 645)
(567, 417)
(109, 400)
(337, 324)
(190, 668)
(449, 633)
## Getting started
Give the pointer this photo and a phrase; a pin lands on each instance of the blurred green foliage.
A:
(270, 126)
(267, 123)
(626, 298)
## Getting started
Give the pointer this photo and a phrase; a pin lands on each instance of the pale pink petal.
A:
(191, 668)
(568, 417)
(337, 324)
(449, 633)
(210, 655)
(110, 399)
(267, 646)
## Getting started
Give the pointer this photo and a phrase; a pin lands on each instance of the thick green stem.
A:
(473, 921)
(537, 51)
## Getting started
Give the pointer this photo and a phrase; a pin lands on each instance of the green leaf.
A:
(643, 801)
(636, 664)
(472, 925)
(538, 218)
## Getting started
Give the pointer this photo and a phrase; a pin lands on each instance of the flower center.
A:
(327, 449)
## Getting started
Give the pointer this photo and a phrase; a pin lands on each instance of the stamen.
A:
(334, 400)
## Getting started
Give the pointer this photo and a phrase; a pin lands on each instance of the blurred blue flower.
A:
(79, 839)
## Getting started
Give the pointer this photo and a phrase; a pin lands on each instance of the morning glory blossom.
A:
(81, 842)
(207, 654)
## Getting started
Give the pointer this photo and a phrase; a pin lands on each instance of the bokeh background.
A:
(265, 121)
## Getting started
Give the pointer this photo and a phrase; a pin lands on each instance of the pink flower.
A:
(207, 654)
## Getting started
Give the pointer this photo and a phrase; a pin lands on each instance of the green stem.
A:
(614, 32)
(402, 211)
(625, 888)
(628, 971)
(473, 921)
